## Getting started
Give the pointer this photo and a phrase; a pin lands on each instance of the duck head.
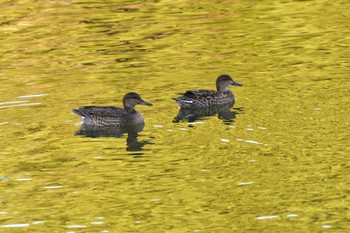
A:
(131, 99)
(224, 81)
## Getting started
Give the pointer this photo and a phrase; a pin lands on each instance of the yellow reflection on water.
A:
(279, 163)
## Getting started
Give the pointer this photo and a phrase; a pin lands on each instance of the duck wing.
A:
(205, 98)
(198, 94)
(195, 98)
(100, 115)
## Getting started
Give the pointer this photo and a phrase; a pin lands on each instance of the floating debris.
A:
(292, 215)
(37, 222)
(32, 96)
(224, 140)
(267, 217)
(245, 183)
(15, 225)
(13, 102)
(4, 178)
(21, 105)
(53, 187)
(326, 226)
(96, 223)
(76, 226)
(195, 123)
(23, 179)
(252, 142)
(249, 141)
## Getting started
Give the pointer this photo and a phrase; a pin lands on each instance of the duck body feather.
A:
(205, 98)
(108, 115)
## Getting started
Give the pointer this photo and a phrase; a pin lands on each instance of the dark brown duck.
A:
(110, 115)
(209, 98)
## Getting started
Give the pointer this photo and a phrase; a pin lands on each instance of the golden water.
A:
(282, 165)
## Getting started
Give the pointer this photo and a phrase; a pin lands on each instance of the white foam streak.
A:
(76, 226)
(245, 183)
(53, 187)
(32, 96)
(21, 105)
(267, 217)
(13, 102)
(15, 225)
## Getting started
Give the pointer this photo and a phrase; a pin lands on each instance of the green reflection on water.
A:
(292, 57)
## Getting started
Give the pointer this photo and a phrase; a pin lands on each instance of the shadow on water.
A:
(115, 132)
(224, 112)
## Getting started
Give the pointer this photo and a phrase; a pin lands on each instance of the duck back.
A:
(205, 98)
(96, 115)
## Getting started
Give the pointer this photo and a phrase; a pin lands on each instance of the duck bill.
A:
(236, 84)
(146, 103)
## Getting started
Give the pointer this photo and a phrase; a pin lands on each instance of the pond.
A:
(278, 161)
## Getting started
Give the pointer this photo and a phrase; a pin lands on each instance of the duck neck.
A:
(221, 88)
(129, 109)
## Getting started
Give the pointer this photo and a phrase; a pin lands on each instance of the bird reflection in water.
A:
(224, 112)
(132, 143)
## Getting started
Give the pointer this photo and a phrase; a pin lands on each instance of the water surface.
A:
(280, 164)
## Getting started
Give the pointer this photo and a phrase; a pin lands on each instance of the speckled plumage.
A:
(110, 115)
(207, 98)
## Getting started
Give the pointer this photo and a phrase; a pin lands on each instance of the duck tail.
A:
(79, 112)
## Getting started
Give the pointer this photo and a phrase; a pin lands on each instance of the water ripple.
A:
(267, 217)
(76, 226)
(32, 96)
(13, 102)
(16, 225)
(20, 105)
